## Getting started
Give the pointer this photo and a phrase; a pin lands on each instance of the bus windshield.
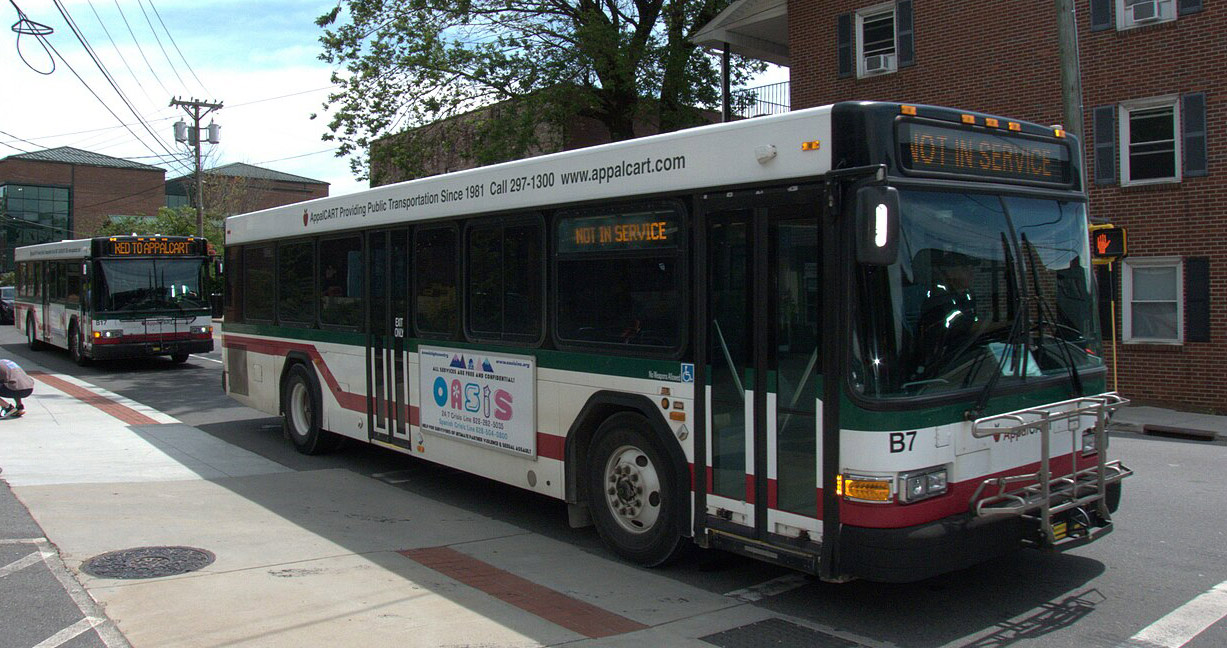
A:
(150, 284)
(983, 284)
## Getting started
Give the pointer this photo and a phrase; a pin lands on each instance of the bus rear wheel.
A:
(32, 335)
(303, 411)
(179, 358)
(634, 492)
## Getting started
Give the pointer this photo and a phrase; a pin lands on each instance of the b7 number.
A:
(902, 441)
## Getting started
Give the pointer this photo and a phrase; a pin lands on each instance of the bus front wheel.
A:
(634, 492)
(74, 346)
(303, 413)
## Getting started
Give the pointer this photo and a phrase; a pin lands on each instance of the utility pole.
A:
(197, 110)
(1071, 70)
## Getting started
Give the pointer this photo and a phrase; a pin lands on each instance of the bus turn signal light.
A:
(866, 489)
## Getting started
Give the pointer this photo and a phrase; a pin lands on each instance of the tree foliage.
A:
(409, 63)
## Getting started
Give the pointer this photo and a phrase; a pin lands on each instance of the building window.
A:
(1136, 13)
(1150, 146)
(875, 40)
(1152, 293)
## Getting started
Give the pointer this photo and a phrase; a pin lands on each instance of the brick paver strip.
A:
(555, 607)
(121, 412)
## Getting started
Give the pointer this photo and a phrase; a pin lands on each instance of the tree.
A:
(409, 63)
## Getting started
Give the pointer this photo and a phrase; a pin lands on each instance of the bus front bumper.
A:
(145, 349)
(915, 553)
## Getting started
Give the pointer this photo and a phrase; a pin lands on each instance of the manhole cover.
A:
(148, 562)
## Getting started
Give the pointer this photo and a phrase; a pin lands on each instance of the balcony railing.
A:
(771, 99)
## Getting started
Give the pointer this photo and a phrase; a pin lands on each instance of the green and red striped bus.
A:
(860, 340)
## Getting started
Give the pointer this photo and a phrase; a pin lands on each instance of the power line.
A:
(158, 40)
(110, 80)
(172, 42)
(294, 157)
(139, 49)
(118, 51)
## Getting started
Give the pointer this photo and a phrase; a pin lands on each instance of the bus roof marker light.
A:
(969, 119)
(812, 145)
(991, 122)
(1015, 126)
(908, 110)
(1058, 132)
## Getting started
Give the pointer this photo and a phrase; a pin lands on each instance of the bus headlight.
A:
(922, 484)
(202, 330)
(113, 334)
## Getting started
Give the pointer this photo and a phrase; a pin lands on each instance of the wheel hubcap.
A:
(632, 489)
(300, 409)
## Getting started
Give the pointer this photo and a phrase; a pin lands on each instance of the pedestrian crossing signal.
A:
(1107, 243)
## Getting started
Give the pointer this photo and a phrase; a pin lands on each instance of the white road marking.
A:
(20, 564)
(68, 634)
(93, 613)
(772, 587)
(10, 541)
(1185, 622)
(209, 359)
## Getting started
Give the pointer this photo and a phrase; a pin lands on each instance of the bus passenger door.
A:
(763, 365)
(387, 378)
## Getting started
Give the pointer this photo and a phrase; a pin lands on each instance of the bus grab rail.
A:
(1044, 495)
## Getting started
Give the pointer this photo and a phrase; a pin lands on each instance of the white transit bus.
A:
(860, 340)
(115, 297)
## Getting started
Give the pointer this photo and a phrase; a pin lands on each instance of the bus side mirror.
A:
(877, 225)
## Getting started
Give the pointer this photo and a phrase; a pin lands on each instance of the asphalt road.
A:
(1169, 546)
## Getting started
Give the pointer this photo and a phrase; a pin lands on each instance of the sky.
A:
(260, 58)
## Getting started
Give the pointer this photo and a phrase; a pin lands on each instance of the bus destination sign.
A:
(634, 231)
(949, 150)
(151, 247)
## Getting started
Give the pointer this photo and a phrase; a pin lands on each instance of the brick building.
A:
(1155, 115)
(65, 192)
(239, 188)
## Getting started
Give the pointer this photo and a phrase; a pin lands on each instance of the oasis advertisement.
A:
(480, 397)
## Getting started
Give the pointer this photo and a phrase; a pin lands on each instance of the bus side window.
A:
(435, 305)
(296, 283)
(234, 281)
(341, 281)
(259, 288)
(504, 290)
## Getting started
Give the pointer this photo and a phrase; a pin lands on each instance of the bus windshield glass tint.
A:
(149, 284)
(982, 284)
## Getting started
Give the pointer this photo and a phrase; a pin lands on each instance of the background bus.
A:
(858, 340)
(115, 297)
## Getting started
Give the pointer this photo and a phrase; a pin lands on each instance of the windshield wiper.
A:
(1017, 327)
(1044, 309)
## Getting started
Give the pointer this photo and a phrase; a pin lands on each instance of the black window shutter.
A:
(1105, 144)
(906, 54)
(1197, 299)
(1193, 116)
(1102, 14)
(1188, 6)
(843, 44)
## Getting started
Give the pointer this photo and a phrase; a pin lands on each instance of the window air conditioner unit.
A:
(878, 63)
(1145, 11)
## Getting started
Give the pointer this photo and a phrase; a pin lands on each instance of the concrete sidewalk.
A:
(312, 558)
(1145, 419)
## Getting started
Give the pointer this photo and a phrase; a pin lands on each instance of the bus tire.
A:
(303, 411)
(32, 334)
(74, 346)
(179, 358)
(634, 492)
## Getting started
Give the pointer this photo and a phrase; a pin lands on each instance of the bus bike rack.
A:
(1043, 495)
